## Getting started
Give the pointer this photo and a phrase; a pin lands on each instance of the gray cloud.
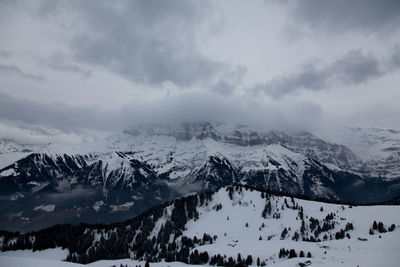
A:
(57, 115)
(200, 106)
(394, 61)
(14, 70)
(159, 44)
(150, 42)
(4, 54)
(226, 84)
(186, 107)
(345, 15)
(352, 69)
(59, 62)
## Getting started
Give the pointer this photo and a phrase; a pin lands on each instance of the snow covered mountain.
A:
(228, 226)
(11, 151)
(378, 149)
(128, 172)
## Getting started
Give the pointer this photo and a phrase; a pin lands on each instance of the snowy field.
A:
(361, 256)
(53, 257)
(234, 237)
(240, 228)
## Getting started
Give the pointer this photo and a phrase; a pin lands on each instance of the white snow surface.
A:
(233, 236)
(9, 172)
(8, 261)
(48, 254)
(247, 208)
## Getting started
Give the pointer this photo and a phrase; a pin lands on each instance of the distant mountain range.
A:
(126, 173)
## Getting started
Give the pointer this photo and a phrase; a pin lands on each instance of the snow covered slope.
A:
(124, 174)
(215, 226)
(378, 149)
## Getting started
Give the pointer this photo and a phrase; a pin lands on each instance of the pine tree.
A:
(284, 233)
(349, 226)
(267, 209)
(381, 228)
(230, 193)
(292, 254)
(249, 260)
(203, 257)
(371, 232)
(281, 253)
(296, 236)
(239, 258)
(230, 262)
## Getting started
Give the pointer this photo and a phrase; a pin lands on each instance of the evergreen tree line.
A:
(381, 228)
(317, 227)
(118, 240)
(286, 253)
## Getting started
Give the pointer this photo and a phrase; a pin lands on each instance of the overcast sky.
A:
(73, 67)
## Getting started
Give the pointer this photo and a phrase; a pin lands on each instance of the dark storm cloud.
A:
(345, 15)
(352, 69)
(150, 42)
(12, 70)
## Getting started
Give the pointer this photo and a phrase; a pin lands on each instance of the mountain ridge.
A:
(130, 171)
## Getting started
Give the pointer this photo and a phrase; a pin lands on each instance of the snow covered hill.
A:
(124, 174)
(215, 227)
